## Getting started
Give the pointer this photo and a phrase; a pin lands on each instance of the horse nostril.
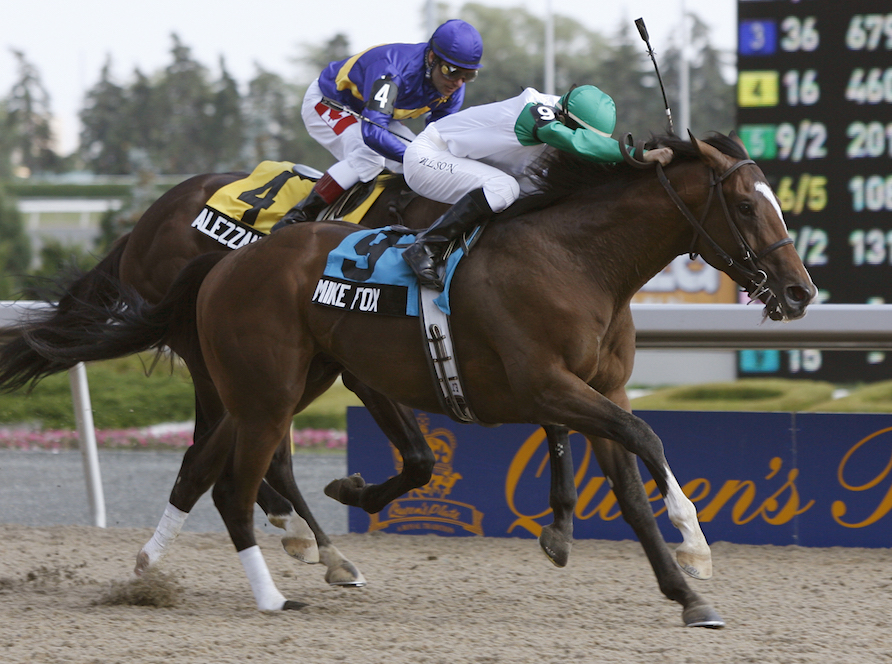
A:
(798, 294)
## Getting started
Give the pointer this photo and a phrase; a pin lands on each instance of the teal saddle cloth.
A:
(367, 273)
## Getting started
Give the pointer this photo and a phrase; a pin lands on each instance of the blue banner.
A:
(755, 478)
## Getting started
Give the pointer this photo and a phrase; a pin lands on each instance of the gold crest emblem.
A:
(427, 509)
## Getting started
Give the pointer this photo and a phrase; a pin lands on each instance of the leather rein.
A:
(748, 267)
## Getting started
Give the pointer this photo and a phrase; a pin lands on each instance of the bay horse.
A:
(147, 259)
(543, 332)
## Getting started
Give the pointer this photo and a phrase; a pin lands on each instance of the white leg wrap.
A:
(682, 512)
(266, 594)
(693, 554)
(168, 528)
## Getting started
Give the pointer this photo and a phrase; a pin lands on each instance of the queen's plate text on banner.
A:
(811, 479)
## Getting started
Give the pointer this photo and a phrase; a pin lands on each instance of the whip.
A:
(642, 30)
(338, 106)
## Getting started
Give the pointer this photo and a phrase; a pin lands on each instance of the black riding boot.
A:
(425, 254)
(323, 194)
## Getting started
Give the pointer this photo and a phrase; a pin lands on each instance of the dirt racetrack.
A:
(433, 599)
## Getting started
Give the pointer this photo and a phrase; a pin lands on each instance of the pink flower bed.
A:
(142, 439)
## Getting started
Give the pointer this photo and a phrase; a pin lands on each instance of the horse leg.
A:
(556, 539)
(201, 465)
(299, 540)
(285, 507)
(280, 475)
(234, 495)
(593, 414)
(400, 426)
(621, 470)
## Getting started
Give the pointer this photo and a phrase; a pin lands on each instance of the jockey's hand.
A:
(662, 155)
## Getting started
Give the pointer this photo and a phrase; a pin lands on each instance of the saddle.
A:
(366, 274)
(246, 210)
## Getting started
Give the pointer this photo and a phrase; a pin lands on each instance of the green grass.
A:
(874, 398)
(750, 394)
(123, 397)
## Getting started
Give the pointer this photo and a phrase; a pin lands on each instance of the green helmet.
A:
(589, 107)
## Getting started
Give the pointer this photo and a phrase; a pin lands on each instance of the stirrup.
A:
(424, 264)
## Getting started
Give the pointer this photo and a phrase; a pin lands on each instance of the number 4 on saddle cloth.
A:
(244, 211)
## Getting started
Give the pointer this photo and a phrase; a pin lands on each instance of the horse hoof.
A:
(346, 490)
(291, 605)
(702, 615)
(698, 566)
(345, 575)
(305, 550)
(142, 563)
(555, 546)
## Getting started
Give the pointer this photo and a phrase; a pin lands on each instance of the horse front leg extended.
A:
(400, 426)
(556, 539)
(594, 415)
(693, 553)
(304, 538)
(621, 470)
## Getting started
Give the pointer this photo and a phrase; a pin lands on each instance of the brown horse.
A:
(148, 259)
(542, 326)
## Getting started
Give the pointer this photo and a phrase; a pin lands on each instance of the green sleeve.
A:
(583, 142)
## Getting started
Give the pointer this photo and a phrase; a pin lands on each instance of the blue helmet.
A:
(458, 43)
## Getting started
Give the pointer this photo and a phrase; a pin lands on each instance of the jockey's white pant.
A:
(341, 134)
(434, 172)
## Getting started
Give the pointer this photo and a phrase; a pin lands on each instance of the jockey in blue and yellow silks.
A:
(383, 85)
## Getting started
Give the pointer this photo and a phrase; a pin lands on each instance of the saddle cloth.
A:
(246, 210)
(367, 273)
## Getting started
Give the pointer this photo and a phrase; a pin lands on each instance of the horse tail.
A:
(118, 327)
(72, 303)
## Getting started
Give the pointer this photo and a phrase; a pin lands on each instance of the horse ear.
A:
(712, 156)
(736, 138)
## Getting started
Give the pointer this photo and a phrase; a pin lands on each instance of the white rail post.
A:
(83, 414)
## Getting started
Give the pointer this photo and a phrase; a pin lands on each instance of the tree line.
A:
(191, 118)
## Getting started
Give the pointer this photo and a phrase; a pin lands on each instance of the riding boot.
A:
(324, 193)
(426, 253)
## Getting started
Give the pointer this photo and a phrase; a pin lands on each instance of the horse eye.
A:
(745, 208)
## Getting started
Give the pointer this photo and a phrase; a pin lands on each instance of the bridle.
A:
(748, 267)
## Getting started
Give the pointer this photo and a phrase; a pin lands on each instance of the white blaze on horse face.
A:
(765, 189)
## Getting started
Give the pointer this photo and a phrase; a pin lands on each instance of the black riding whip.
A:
(642, 30)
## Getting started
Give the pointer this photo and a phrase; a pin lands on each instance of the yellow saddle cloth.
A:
(257, 202)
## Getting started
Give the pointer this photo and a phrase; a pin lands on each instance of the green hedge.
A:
(123, 397)
(874, 398)
(749, 394)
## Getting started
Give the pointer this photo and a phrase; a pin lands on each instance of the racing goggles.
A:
(454, 73)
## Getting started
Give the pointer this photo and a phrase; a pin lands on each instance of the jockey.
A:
(483, 158)
(384, 84)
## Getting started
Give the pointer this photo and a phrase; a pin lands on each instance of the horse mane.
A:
(561, 174)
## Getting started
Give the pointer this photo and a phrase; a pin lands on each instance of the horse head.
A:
(753, 245)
